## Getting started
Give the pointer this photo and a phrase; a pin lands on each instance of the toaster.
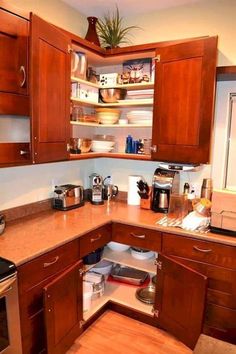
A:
(68, 196)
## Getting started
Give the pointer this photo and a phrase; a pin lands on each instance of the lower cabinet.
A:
(217, 262)
(53, 282)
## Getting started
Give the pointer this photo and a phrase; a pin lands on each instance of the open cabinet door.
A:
(180, 300)
(63, 310)
(184, 101)
(50, 92)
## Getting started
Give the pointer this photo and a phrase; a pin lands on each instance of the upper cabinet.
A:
(14, 37)
(50, 92)
(184, 101)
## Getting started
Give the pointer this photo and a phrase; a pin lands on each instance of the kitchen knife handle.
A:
(48, 264)
(202, 250)
(138, 236)
(96, 238)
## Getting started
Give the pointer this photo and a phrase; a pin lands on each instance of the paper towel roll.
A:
(133, 197)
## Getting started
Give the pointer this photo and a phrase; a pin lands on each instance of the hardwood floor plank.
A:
(118, 334)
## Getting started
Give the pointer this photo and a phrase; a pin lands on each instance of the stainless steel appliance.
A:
(68, 196)
(10, 337)
(96, 189)
(163, 184)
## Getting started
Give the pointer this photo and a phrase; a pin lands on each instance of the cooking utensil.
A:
(141, 253)
(146, 295)
(128, 275)
(112, 95)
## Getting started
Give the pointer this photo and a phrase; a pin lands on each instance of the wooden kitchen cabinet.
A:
(184, 101)
(216, 262)
(14, 39)
(35, 276)
(136, 236)
(50, 93)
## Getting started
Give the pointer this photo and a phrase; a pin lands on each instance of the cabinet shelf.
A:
(122, 103)
(114, 155)
(95, 125)
(125, 258)
(138, 86)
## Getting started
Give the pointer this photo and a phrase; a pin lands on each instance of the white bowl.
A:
(101, 149)
(118, 247)
(103, 267)
(103, 143)
(142, 255)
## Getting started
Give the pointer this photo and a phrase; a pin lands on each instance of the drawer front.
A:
(220, 323)
(203, 251)
(137, 236)
(94, 239)
(35, 271)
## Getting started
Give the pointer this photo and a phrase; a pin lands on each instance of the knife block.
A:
(146, 203)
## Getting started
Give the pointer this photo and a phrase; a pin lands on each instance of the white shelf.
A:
(139, 86)
(125, 258)
(88, 124)
(123, 103)
(122, 294)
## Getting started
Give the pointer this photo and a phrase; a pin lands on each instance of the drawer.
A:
(137, 236)
(203, 251)
(220, 322)
(42, 267)
(94, 239)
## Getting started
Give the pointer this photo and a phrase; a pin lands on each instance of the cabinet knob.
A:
(24, 152)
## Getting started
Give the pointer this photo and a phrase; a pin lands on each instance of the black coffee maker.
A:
(163, 184)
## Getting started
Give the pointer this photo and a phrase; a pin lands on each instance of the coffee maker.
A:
(96, 189)
(163, 184)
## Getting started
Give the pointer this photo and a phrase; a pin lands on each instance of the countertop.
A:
(32, 236)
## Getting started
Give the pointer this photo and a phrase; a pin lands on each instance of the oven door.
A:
(10, 338)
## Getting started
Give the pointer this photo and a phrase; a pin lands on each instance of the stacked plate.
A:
(102, 146)
(140, 117)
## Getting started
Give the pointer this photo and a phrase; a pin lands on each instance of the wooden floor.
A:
(113, 333)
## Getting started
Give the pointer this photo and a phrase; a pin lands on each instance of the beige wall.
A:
(206, 17)
(56, 12)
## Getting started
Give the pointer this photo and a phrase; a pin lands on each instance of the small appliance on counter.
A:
(96, 189)
(68, 196)
(223, 212)
(163, 184)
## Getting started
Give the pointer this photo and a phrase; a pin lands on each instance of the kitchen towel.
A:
(133, 197)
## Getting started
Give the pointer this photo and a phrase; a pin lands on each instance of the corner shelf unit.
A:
(121, 103)
(122, 293)
(97, 125)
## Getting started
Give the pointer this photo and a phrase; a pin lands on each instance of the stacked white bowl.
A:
(102, 143)
(140, 117)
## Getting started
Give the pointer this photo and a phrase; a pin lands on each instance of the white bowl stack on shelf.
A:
(103, 143)
(107, 115)
(140, 117)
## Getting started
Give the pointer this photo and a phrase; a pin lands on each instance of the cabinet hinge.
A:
(157, 58)
(81, 323)
(156, 313)
(67, 147)
(81, 271)
(69, 49)
(158, 264)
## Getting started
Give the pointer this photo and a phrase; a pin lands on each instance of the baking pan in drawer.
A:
(128, 275)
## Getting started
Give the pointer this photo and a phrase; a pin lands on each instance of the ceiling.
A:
(126, 7)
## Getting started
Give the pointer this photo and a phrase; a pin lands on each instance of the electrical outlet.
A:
(54, 183)
(196, 188)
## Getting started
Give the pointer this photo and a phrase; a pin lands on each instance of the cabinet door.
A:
(184, 101)
(63, 310)
(14, 53)
(180, 300)
(50, 82)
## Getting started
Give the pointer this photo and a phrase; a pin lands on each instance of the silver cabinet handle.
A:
(96, 238)
(22, 70)
(137, 236)
(23, 152)
(47, 264)
(202, 250)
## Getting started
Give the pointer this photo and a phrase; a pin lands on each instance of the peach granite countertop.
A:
(30, 237)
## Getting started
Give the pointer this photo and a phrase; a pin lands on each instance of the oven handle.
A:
(6, 285)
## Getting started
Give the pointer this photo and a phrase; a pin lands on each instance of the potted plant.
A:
(111, 30)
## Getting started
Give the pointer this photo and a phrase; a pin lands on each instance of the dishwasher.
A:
(10, 336)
